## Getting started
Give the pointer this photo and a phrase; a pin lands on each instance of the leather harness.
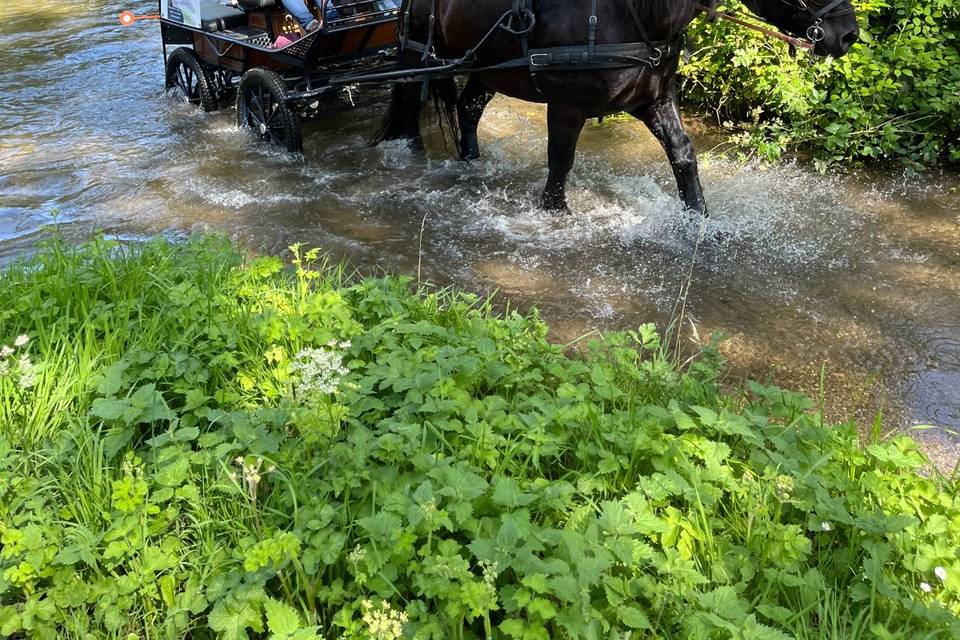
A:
(520, 21)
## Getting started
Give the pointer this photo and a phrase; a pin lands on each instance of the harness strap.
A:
(637, 21)
(592, 39)
(825, 11)
(520, 21)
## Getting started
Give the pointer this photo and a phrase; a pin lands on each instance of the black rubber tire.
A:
(261, 109)
(189, 75)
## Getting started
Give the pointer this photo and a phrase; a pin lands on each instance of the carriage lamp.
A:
(128, 18)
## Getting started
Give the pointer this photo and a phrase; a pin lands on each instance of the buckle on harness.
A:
(535, 60)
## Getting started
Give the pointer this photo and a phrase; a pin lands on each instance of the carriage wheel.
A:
(187, 75)
(262, 109)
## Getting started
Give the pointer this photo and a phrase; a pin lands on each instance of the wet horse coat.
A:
(447, 29)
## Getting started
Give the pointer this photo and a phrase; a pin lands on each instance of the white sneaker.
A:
(313, 26)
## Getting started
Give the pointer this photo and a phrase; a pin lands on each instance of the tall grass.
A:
(433, 470)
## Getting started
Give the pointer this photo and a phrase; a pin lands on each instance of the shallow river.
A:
(857, 276)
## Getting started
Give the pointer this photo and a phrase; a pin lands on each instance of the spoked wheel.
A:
(188, 76)
(261, 108)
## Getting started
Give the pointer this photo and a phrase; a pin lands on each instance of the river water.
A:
(854, 280)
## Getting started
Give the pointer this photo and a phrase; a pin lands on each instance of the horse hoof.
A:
(696, 211)
(557, 208)
(470, 156)
(554, 202)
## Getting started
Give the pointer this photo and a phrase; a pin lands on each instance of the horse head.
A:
(831, 25)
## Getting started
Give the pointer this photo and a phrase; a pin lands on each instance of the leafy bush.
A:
(895, 96)
(195, 444)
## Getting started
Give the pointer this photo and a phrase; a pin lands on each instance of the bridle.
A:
(818, 13)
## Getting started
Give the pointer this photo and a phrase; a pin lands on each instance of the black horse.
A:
(639, 79)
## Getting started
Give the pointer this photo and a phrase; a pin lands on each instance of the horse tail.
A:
(406, 105)
(445, 96)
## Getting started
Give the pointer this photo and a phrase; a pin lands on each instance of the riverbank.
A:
(193, 442)
(858, 271)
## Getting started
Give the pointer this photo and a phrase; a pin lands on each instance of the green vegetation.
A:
(895, 96)
(194, 444)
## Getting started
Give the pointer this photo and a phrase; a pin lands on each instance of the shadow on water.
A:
(855, 276)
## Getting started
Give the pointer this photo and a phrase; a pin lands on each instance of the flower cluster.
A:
(319, 370)
(383, 623)
(941, 574)
(784, 487)
(357, 555)
(21, 364)
(490, 569)
(250, 473)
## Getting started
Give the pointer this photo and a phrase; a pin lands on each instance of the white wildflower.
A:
(319, 371)
(357, 555)
(490, 571)
(925, 587)
(28, 374)
(251, 475)
(383, 622)
(941, 574)
(826, 526)
(6, 351)
(21, 341)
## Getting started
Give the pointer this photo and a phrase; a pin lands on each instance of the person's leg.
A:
(299, 11)
(330, 11)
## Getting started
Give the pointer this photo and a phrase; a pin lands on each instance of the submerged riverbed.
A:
(856, 278)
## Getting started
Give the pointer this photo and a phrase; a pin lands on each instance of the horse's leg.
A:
(564, 124)
(402, 121)
(663, 119)
(413, 103)
(473, 100)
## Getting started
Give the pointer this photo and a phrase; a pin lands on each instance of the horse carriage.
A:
(280, 74)
(583, 58)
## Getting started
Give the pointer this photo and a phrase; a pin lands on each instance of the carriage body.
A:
(214, 51)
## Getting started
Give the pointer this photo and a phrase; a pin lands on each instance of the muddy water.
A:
(854, 278)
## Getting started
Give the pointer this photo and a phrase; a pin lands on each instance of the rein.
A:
(739, 19)
(815, 31)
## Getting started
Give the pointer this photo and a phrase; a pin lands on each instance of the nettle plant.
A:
(251, 451)
(895, 96)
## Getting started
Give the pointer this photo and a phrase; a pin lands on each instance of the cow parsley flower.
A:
(21, 366)
(319, 371)
(357, 555)
(941, 574)
(490, 569)
(925, 587)
(383, 622)
(28, 373)
(826, 527)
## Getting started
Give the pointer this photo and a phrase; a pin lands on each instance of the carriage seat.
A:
(215, 16)
(254, 5)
